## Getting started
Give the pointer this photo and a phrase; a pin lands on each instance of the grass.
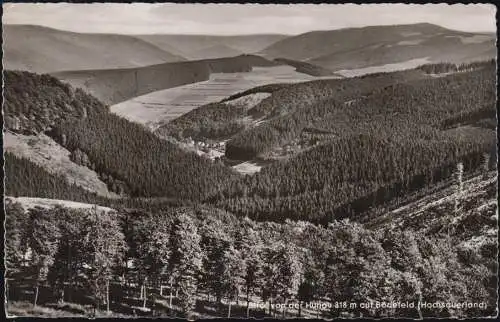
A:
(25, 309)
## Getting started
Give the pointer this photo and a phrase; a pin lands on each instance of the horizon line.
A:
(243, 34)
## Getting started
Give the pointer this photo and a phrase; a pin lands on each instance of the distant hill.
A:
(379, 45)
(306, 68)
(112, 86)
(41, 49)
(215, 51)
(193, 46)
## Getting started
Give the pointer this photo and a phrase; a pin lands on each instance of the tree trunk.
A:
(170, 299)
(248, 301)
(68, 271)
(218, 301)
(229, 308)
(145, 296)
(70, 289)
(6, 291)
(61, 295)
(418, 307)
(284, 308)
(107, 295)
(36, 295)
(300, 309)
(124, 270)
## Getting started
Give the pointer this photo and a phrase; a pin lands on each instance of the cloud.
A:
(143, 18)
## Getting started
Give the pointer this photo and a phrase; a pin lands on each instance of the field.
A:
(162, 106)
(29, 202)
(247, 167)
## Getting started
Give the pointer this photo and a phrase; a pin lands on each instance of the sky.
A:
(230, 19)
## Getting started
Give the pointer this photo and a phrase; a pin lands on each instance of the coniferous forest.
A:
(389, 196)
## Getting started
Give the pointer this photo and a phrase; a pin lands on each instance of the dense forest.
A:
(117, 148)
(34, 103)
(213, 121)
(285, 110)
(189, 261)
(453, 68)
(222, 121)
(368, 151)
(364, 172)
(26, 179)
(374, 120)
(353, 104)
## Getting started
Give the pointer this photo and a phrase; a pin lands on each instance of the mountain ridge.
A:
(350, 48)
(43, 49)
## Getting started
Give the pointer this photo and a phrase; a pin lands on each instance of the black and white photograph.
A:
(217, 160)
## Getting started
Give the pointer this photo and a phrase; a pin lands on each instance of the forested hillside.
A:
(130, 159)
(222, 120)
(342, 107)
(371, 150)
(24, 178)
(34, 103)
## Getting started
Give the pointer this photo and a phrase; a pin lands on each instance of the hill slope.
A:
(379, 45)
(356, 149)
(193, 46)
(112, 86)
(131, 160)
(41, 49)
(215, 51)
